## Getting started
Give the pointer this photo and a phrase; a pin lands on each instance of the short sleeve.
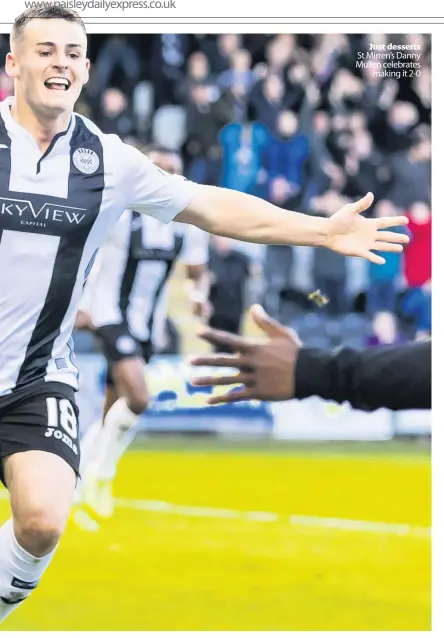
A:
(150, 190)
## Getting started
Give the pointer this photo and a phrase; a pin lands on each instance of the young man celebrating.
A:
(63, 187)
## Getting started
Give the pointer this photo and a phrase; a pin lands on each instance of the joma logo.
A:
(25, 211)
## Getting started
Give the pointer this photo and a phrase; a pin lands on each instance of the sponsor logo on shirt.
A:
(24, 211)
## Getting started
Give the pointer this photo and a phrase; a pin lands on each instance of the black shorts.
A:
(43, 417)
(117, 343)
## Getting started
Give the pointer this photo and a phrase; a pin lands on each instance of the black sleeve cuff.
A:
(314, 375)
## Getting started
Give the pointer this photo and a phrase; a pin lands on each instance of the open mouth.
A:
(57, 84)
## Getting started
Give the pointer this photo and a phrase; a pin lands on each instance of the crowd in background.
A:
(289, 118)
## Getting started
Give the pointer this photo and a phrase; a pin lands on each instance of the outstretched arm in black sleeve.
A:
(395, 377)
(280, 368)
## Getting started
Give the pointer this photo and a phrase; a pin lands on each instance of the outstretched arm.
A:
(233, 214)
(280, 368)
(147, 189)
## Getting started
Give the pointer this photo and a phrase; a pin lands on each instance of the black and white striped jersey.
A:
(56, 209)
(128, 281)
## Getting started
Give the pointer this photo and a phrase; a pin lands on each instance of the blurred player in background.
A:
(124, 303)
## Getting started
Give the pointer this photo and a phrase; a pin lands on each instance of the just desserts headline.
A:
(404, 52)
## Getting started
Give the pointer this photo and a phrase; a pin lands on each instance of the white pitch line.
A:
(305, 521)
(344, 524)
(360, 526)
(170, 508)
(262, 517)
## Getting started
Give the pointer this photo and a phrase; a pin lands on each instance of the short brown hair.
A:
(53, 11)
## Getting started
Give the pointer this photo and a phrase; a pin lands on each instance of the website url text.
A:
(82, 5)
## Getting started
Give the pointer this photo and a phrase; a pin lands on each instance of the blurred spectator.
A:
(340, 138)
(417, 302)
(384, 330)
(357, 122)
(346, 92)
(365, 166)
(328, 55)
(383, 279)
(198, 74)
(267, 100)
(299, 87)
(115, 116)
(418, 253)
(230, 270)
(323, 172)
(417, 305)
(402, 120)
(168, 61)
(285, 157)
(411, 174)
(207, 113)
(279, 53)
(219, 49)
(238, 81)
(116, 55)
(240, 72)
(243, 152)
(378, 97)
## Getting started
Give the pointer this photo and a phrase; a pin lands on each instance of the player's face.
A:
(50, 66)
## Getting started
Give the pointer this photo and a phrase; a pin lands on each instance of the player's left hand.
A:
(351, 234)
